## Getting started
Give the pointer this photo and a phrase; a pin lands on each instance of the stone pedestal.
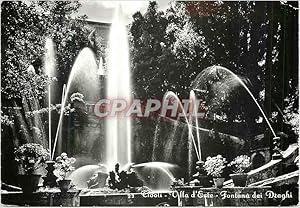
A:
(50, 178)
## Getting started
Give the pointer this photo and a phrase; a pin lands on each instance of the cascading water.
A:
(169, 144)
(189, 114)
(49, 67)
(156, 175)
(81, 175)
(187, 119)
(21, 122)
(159, 165)
(118, 127)
(33, 120)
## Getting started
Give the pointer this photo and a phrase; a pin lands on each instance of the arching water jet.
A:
(160, 165)
(248, 91)
(84, 69)
(187, 120)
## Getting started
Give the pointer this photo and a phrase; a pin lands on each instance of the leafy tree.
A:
(22, 44)
(25, 28)
(253, 39)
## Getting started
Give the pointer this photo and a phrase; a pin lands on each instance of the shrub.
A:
(240, 164)
(31, 156)
(214, 166)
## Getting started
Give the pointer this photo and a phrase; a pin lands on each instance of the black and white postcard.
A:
(149, 103)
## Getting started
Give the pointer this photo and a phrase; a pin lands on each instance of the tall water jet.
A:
(59, 145)
(49, 66)
(118, 127)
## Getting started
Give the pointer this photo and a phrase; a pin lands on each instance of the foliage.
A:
(240, 164)
(57, 107)
(5, 120)
(291, 111)
(24, 27)
(214, 166)
(63, 165)
(31, 156)
(22, 44)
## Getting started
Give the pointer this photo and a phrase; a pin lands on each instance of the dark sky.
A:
(101, 10)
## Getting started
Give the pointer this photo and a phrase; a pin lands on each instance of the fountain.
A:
(188, 116)
(191, 114)
(118, 128)
(118, 138)
(83, 79)
(233, 79)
